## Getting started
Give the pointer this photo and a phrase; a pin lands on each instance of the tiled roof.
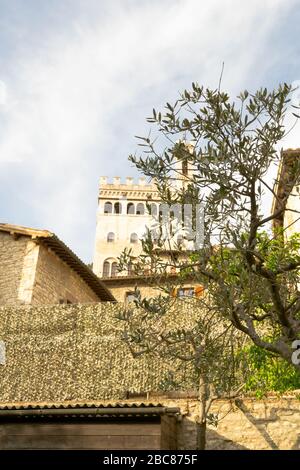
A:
(94, 409)
(64, 405)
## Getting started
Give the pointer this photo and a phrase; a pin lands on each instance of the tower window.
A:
(140, 209)
(134, 238)
(108, 208)
(130, 208)
(153, 209)
(118, 208)
(114, 269)
(106, 269)
(110, 237)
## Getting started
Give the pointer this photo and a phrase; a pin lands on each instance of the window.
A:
(108, 208)
(130, 208)
(162, 211)
(134, 238)
(185, 292)
(197, 291)
(114, 269)
(106, 269)
(153, 210)
(140, 209)
(118, 208)
(172, 223)
(110, 237)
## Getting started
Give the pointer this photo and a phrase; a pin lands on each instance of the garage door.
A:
(129, 435)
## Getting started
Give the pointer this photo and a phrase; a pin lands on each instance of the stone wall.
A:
(30, 273)
(120, 289)
(247, 423)
(12, 253)
(55, 281)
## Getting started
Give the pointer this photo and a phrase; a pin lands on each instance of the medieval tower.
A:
(125, 211)
(122, 217)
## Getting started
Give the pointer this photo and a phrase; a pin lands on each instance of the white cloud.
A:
(292, 123)
(79, 93)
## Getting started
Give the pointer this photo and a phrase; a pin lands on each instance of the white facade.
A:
(290, 220)
(292, 213)
(122, 220)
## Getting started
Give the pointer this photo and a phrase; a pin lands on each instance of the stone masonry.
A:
(31, 273)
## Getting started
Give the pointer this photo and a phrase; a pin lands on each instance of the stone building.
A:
(123, 287)
(36, 267)
(287, 194)
(125, 212)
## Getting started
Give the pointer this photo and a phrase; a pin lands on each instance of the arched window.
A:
(110, 237)
(118, 208)
(130, 208)
(106, 269)
(134, 238)
(114, 269)
(108, 208)
(140, 209)
(161, 211)
(153, 210)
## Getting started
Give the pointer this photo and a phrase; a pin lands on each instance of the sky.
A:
(79, 77)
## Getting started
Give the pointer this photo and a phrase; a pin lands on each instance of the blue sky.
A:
(78, 78)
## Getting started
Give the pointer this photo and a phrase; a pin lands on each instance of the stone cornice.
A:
(141, 194)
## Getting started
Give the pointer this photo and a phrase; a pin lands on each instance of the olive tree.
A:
(249, 272)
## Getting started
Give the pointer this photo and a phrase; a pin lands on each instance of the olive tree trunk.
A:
(201, 419)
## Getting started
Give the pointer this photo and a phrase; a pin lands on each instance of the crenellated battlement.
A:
(129, 183)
